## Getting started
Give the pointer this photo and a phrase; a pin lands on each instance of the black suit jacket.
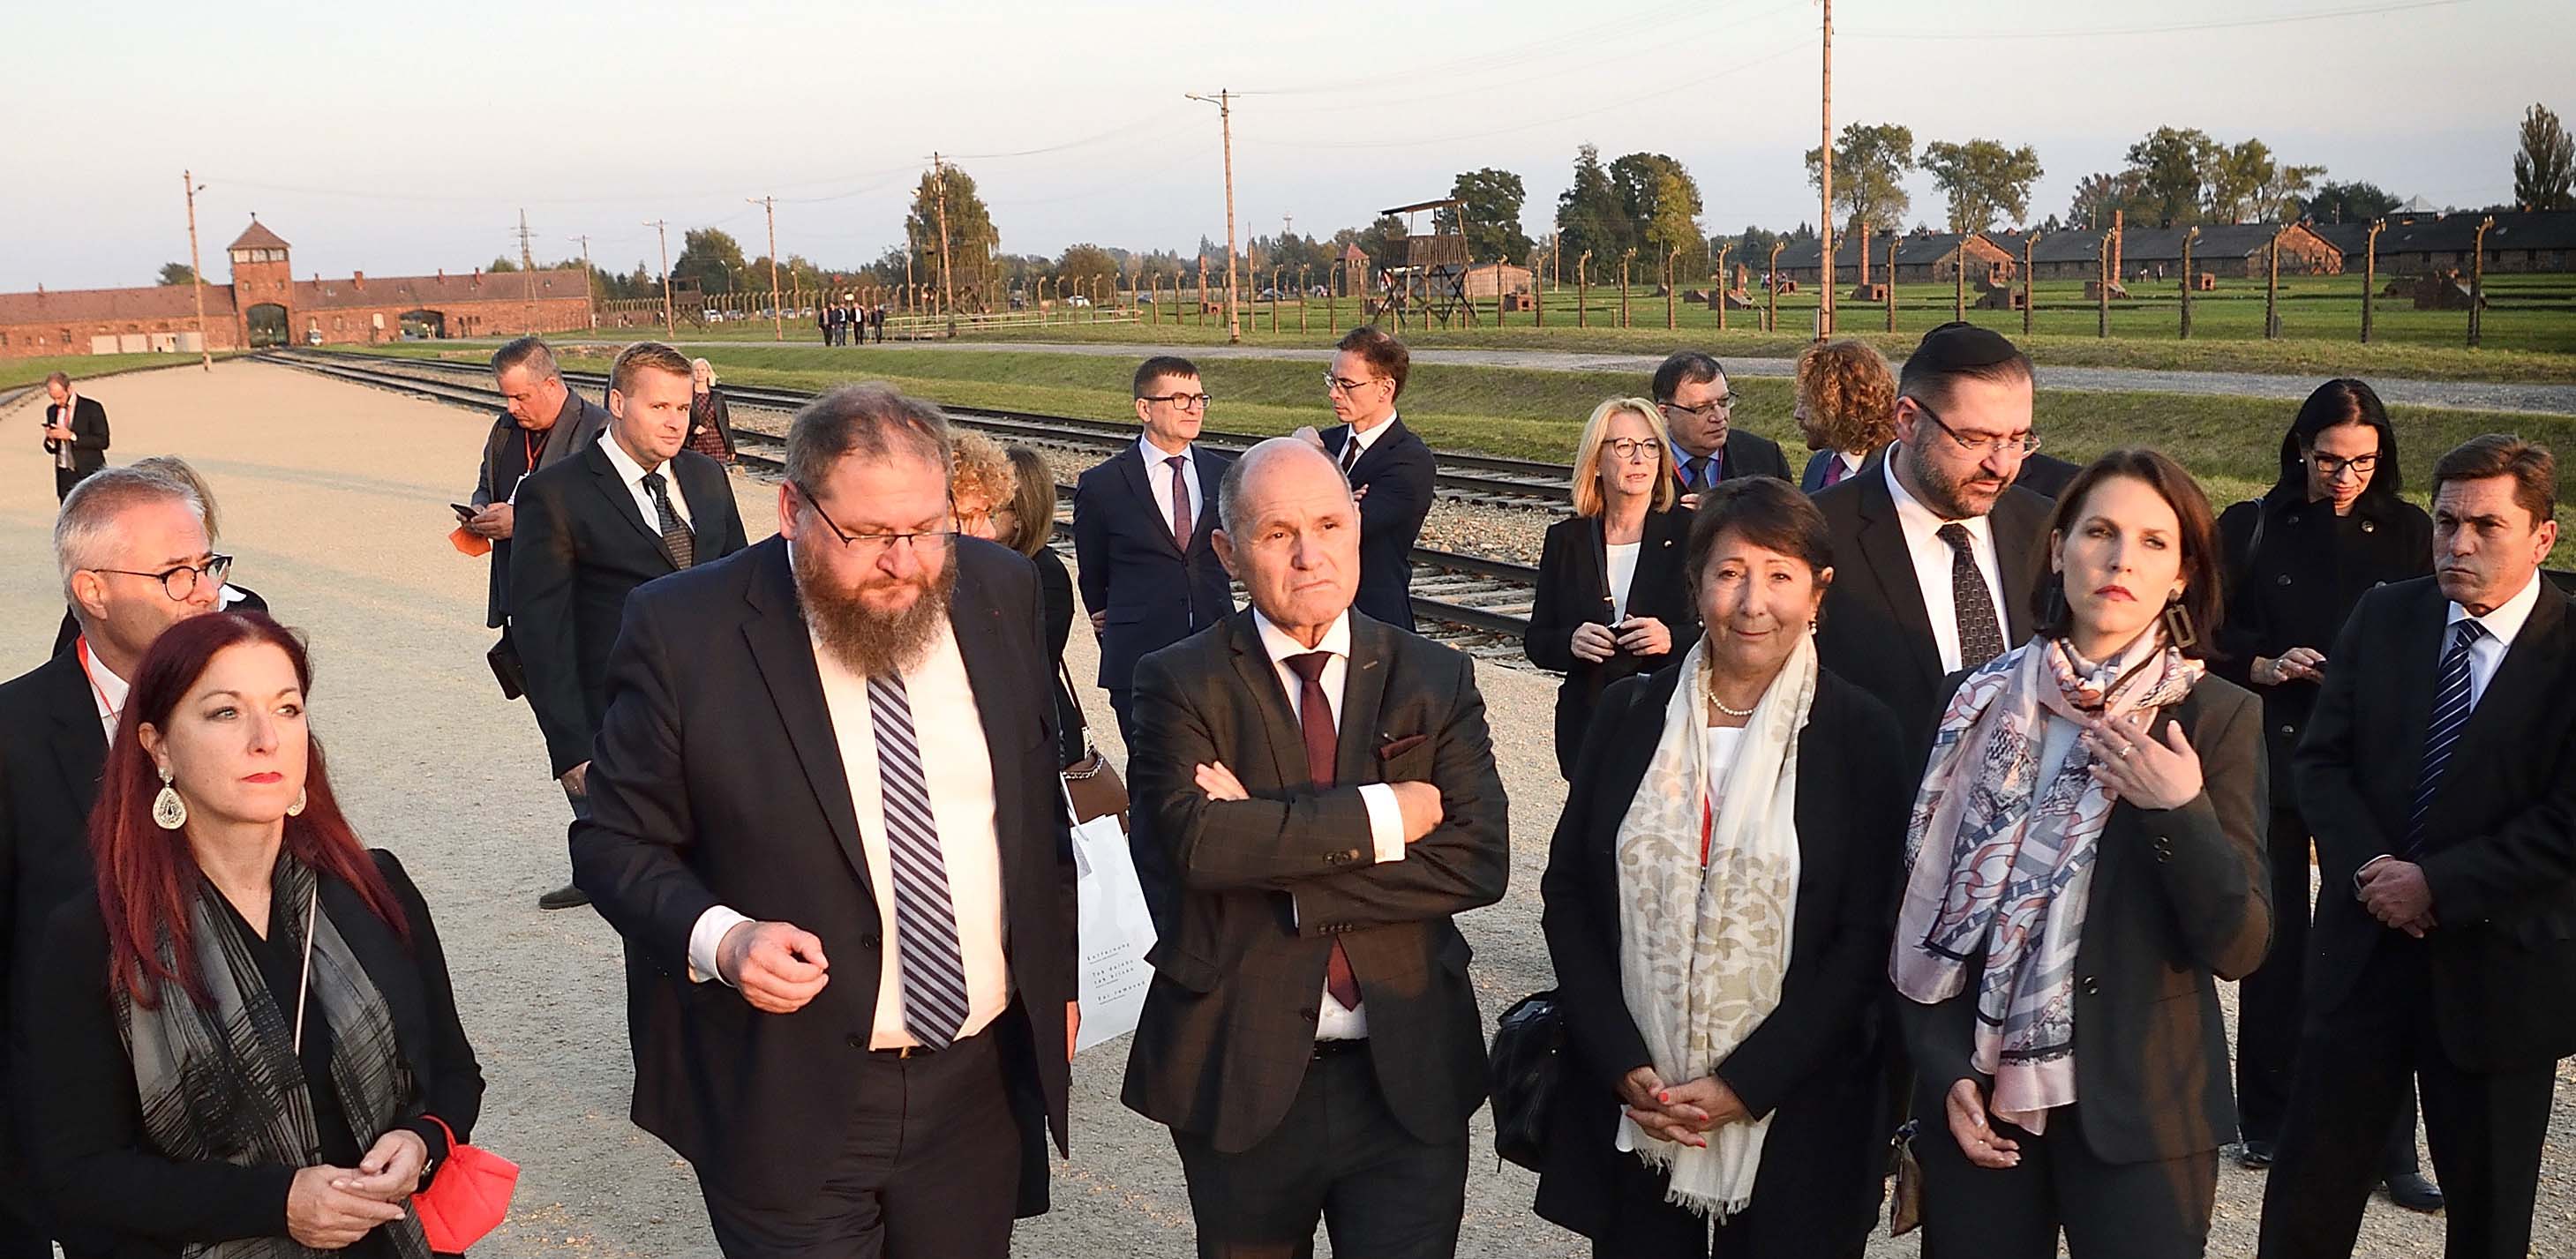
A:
(1747, 453)
(583, 543)
(1574, 590)
(2181, 898)
(1812, 477)
(2046, 475)
(2296, 587)
(1873, 630)
(2500, 852)
(1398, 472)
(1815, 1060)
(718, 780)
(101, 1172)
(576, 426)
(1156, 590)
(89, 433)
(1249, 895)
(51, 752)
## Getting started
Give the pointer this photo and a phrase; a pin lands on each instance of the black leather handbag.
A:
(1528, 1062)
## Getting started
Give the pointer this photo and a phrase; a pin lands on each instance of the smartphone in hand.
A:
(463, 512)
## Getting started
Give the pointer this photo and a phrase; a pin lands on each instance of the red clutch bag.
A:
(468, 1198)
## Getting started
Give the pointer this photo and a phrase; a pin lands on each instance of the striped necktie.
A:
(2451, 708)
(933, 972)
(676, 538)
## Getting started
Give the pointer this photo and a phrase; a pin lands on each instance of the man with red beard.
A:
(837, 746)
(1936, 550)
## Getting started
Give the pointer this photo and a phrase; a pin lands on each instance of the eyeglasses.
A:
(181, 582)
(1184, 401)
(1632, 448)
(1981, 446)
(870, 546)
(1335, 384)
(2332, 467)
(1723, 402)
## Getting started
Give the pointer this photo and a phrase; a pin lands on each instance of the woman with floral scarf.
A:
(2084, 861)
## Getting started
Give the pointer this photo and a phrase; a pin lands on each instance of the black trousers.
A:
(1645, 1226)
(1122, 703)
(64, 480)
(2268, 1004)
(930, 1170)
(2485, 1128)
(2156, 1210)
(1340, 1156)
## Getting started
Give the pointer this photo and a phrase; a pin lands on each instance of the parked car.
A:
(1078, 300)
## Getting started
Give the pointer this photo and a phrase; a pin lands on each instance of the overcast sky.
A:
(403, 139)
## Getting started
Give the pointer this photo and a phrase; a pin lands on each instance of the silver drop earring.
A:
(169, 812)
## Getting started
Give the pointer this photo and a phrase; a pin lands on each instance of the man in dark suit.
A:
(633, 506)
(2439, 776)
(1834, 464)
(2046, 475)
(1699, 406)
(75, 434)
(1315, 796)
(1141, 522)
(1390, 471)
(541, 421)
(125, 540)
(1936, 550)
(763, 793)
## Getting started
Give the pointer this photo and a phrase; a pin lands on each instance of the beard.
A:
(868, 641)
(1956, 497)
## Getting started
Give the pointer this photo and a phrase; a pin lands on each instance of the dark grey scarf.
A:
(222, 1083)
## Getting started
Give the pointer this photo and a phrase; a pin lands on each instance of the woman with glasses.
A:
(1611, 599)
(2298, 559)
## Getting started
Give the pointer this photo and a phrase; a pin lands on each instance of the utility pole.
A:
(662, 231)
(1224, 102)
(777, 315)
(1825, 312)
(947, 283)
(196, 276)
(527, 268)
(586, 293)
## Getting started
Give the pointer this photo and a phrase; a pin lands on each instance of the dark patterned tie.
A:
(676, 537)
(1695, 473)
(1323, 745)
(1981, 638)
(1350, 453)
(1181, 522)
(934, 974)
(2451, 710)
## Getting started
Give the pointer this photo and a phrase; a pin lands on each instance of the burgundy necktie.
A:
(1833, 469)
(1323, 744)
(1181, 522)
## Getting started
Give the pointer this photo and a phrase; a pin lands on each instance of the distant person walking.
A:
(710, 421)
(75, 434)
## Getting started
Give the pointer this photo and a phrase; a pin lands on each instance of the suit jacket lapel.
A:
(783, 651)
(1131, 467)
(1597, 529)
(80, 746)
(621, 501)
(996, 675)
(1364, 682)
(1211, 478)
(2418, 672)
(1883, 550)
(2525, 672)
(1392, 431)
(1260, 680)
(2016, 532)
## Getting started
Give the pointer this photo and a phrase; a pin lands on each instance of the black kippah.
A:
(1957, 346)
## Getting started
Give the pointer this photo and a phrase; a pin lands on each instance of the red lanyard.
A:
(114, 711)
(1707, 820)
(528, 440)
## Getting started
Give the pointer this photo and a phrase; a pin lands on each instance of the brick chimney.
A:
(476, 281)
(358, 281)
(2119, 239)
(442, 275)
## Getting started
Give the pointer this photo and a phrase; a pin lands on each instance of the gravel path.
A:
(334, 499)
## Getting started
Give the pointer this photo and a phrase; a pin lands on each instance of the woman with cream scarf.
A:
(1716, 904)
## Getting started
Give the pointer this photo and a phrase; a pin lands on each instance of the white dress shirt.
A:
(632, 473)
(958, 774)
(109, 690)
(63, 448)
(2502, 625)
(1386, 818)
(1158, 478)
(1364, 438)
(1932, 560)
(1851, 462)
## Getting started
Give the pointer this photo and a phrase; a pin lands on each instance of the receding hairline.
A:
(1234, 490)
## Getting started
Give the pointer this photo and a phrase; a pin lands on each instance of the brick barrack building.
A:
(266, 305)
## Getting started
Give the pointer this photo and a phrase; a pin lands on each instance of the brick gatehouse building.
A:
(266, 305)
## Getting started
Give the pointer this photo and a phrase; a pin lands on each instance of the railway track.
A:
(1477, 604)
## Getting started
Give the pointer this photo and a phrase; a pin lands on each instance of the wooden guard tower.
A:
(1432, 283)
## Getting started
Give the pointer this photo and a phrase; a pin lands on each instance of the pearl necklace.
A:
(1731, 712)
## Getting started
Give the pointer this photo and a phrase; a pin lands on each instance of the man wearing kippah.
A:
(1935, 553)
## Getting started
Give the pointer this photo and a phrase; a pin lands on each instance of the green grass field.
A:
(27, 371)
(2232, 444)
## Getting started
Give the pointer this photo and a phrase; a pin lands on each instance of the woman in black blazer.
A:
(1027, 524)
(1610, 600)
(2298, 559)
(1805, 1070)
(2086, 862)
(248, 1036)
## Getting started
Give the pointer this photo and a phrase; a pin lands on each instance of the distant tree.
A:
(2169, 171)
(1870, 162)
(1493, 200)
(501, 265)
(1384, 241)
(2544, 170)
(2097, 195)
(971, 235)
(2354, 202)
(1086, 266)
(1982, 180)
(712, 261)
(1755, 243)
(2285, 195)
(177, 273)
(1590, 218)
(1660, 203)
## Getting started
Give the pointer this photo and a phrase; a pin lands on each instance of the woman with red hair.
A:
(249, 1037)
